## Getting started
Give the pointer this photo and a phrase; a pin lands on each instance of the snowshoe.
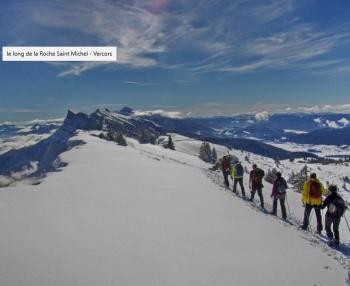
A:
(333, 243)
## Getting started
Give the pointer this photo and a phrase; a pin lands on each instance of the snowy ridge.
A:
(46, 151)
(145, 215)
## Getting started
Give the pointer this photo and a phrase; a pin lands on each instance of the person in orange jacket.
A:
(312, 199)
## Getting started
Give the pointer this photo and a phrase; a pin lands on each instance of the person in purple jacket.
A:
(279, 193)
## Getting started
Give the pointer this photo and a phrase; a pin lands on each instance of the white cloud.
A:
(45, 121)
(344, 121)
(326, 108)
(16, 176)
(318, 120)
(19, 110)
(262, 116)
(130, 25)
(171, 114)
(17, 142)
(266, 35)
(138, 83)
(32, 122)
(331, 124)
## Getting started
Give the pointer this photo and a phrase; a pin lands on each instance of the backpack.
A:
(257, 176)
(337, 207)
(281, 187)
(315, 190)
(239, 170)
(226, 163)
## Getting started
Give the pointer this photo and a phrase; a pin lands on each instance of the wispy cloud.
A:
(171, 114)
(326, 108)
(19, 110)
(138, 83)
(186, 81)
(245, 36)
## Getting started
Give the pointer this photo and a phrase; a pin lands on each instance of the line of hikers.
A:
(312, 196)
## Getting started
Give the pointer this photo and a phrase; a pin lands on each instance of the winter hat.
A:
(278, 175)
(333, 188)
(313, 176)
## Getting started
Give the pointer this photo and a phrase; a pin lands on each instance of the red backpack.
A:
(315, 190)
(226, 163)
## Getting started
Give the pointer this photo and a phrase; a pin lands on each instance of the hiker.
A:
(312, 199)
(335, 210)
(226, 169)
(237, 173)
(279, 193)
(255, 184)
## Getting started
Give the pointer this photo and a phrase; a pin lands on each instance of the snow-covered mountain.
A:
(145, 215)
(43, 154)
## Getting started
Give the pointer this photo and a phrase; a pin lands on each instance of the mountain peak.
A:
(126, 110)
(76, 120)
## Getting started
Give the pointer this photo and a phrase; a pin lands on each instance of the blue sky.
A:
(210, 57)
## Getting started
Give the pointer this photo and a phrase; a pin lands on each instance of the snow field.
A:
(144, 215)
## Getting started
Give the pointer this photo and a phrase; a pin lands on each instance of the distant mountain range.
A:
(260, 148)
(316, 129)
(299, 128)
(325, 136)
(220, 130)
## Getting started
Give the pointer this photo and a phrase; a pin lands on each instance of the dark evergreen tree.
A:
(120, 139)
(205, 153)
(270, 177)
(297, 180)
(170, 143)
(214, 155)
(153, 140)
(144, 135)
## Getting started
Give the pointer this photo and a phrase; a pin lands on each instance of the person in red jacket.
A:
(226, 169)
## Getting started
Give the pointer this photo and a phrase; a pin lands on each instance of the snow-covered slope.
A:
(144, 215)
(332, 174)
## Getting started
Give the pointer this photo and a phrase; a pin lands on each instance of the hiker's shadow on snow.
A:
(341, 254)
(343, 249)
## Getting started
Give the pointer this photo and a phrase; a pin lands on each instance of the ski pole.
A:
(347, 223)
(288, 206)
(309, 217)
